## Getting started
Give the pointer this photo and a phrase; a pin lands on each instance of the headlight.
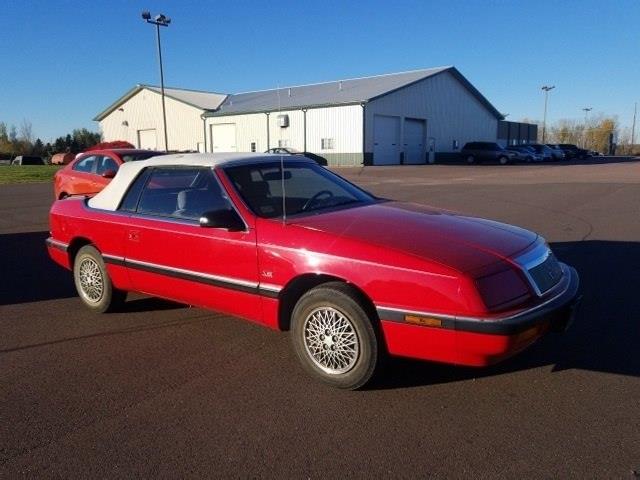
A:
(501, 288)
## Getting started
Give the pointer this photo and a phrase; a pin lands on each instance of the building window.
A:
(327, 144)
(283, 143)
(254, 146)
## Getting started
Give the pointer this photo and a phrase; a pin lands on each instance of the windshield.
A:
(309, 188)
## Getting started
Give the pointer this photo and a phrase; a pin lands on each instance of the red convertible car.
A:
(286, 243)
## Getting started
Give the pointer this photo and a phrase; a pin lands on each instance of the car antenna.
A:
(284, 196)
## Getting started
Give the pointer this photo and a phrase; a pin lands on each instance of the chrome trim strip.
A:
(113, 259)
(269, 287)
(57, 244)
(532, 259)
(192, 273)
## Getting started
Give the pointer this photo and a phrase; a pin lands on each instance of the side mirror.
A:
(109, 174)
(226, 218)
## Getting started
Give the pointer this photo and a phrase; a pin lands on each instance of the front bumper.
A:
(479, 341)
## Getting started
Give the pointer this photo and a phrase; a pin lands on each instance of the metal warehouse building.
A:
(137, 117)
(402, 118)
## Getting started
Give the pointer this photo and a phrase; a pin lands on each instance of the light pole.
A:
(633, 125)
(546, 89)
(160, 21)
(586, 111)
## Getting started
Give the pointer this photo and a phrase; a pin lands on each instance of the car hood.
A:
(458, 241)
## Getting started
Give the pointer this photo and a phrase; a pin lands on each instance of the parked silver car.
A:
(525, 153)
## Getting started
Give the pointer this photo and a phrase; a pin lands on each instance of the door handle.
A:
(133, 235)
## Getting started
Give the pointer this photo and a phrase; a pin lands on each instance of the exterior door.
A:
(386, 140)
(224, 137)
(414, 141)
(147, 139)
(168, 254)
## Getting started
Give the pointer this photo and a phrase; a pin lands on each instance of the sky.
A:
(65, 61)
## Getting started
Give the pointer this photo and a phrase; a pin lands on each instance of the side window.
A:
(184, 193)
(85, 165)
(130, 200)
(105, 164)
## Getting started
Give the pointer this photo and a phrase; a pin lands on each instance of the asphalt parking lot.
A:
(162, 389)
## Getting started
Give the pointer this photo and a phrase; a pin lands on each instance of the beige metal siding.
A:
(249, 128)
(343, 124)
(451, 111)
(143, 111)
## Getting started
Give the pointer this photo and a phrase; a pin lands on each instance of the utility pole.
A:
(160, 21)
(546, 89)
(586, 111)
(633, 125)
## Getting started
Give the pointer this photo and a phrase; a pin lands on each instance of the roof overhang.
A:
(134, 91)
(219, 113)
(117, 103)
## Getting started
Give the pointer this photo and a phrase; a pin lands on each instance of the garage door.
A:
(224, 137)
(386, 140)
(414, 141)
(147, 139)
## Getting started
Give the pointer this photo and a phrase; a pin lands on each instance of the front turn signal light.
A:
(424, 321)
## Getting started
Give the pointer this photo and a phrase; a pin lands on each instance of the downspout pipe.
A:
(268, 135)
(204, 132)
(304, 116)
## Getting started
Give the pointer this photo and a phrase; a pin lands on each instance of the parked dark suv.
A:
(573, 151)
(474, 152)
(27, 160)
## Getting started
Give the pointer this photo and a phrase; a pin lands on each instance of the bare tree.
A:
(26, 132)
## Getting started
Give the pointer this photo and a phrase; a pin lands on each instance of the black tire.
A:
(338, 305)
(471, 159)
(503, 160)
(96, 292)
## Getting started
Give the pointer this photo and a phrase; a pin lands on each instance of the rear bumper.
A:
(58, 252)
(478, 341)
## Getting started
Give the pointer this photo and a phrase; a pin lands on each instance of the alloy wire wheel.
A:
(91, 281)
(336, 340)
(331, 340)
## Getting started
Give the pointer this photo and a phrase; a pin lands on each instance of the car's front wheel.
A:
(471, 159)
(334, 337)
(93, 282)
(503, 160)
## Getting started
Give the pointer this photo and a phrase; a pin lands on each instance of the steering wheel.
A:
(316, 197)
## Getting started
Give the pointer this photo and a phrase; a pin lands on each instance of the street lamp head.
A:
(162, 19)
(146, 15)
(547, 88)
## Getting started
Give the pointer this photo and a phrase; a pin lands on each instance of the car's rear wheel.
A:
(93, 282)
(503, 160)
(334, 337)
(471, 159)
